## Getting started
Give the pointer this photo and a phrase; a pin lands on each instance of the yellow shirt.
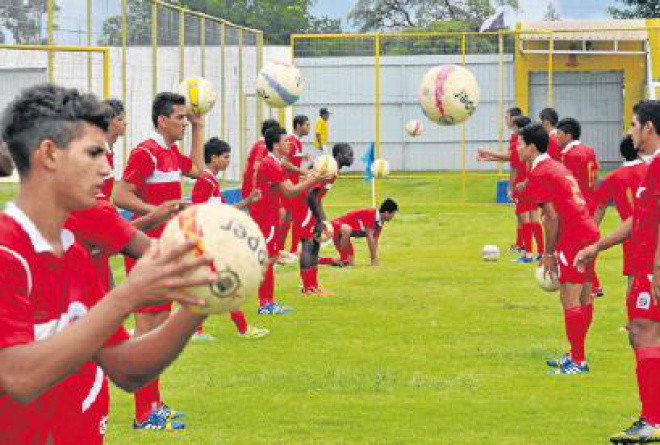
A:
(321, 129)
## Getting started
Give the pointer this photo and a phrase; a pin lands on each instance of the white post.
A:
(373, 192)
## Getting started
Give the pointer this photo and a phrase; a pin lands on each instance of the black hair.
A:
(535, 134)
(627, 149)
(273, 137)
(549, 115)
(164, 105)
(343, 154)
(388, 206)
(267, 125)
(648, 111)
(215, 147)
(570, 126)
(521, 122)
(116, 107)
(48, 112)
(299, 121)
(323, 111)
(514, 112)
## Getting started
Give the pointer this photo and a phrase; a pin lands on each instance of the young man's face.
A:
(283, 144)
(563, 139)
(387, 216)
(222, 161)
(117, 126)
(509, 121)
(174, 126)
(525, 152)
(305, 129)
(640, 134)
(325, 116)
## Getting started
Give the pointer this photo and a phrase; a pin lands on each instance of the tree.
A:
(636, 9)
(21, 21)
(138, 25)
(377, 15)
(551, 14)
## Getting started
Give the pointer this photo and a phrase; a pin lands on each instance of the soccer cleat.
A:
(158, 421)
(169, 413)
(276, 309)
(598, 292)
(264, 310)
(539, 257)
(254, 332)
(317, 291)
(202, 338)
(515, 249)
(523, 260)
(570, 367)
(639, 432)
(561, 361)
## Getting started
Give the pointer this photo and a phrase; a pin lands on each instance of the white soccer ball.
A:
(490, 253)
(545, 281)
(279, 84)
(414, 127)
(199, 93)
(235, 243)
(380, 168)
(449, 94)
(325, 165)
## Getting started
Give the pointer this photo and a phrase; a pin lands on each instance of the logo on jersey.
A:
(640, 191)
(644, 301)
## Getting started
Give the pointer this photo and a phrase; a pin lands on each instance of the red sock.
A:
(588, 314)
(306, 275)
(527, 234)
(519, 237)
(596, 284)
(575, 332)
(199, 330)
(538, 237)
(315, 276)
(267, 288)
(238, 317)
(648, 381)
(327, 261)
(295, 237)
(146, 399)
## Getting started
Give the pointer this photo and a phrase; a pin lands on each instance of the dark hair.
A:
(648, 111)
(116, 107)
(267, 125)
(521, 121)
(535, 134)
(215, 147)
(48, 112)
(549, 115)
(273, 137)
(570, 126)
(343, 154)
(164, 105)
(299, 121)
(388, 206)
(514, 111)
(323, 111)
(627, 149)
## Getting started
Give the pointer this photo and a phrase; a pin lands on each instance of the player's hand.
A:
(195, 119)
(550, 267)
(254, 196)
(520, 187)
(585, 256)
(483, 155)
(165, 211)
(161, 275)
(509, 194)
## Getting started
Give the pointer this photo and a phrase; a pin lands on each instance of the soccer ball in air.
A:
(414, 127)
(490, 253)
(199, 93)
(325, 165)
(449, 94)
(279, 84)
(380, 168)
(545, 281)
(235, 243)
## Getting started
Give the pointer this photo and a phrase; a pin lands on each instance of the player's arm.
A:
(600, 214)
(126, 197)
(255, 196)
(372, 244)
(618, 236)
(6, 165)
(288, 165)
(513, 175)
(315, 205)
(290, 190)
(485, 155)
(551, 230)
(655, 283)
(197, 149)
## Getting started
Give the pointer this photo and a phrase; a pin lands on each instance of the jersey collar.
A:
(270, 154)
(378, 220)
(632, 163)
(38, 241)
(539, 159)
(160, 140)
(569, 146)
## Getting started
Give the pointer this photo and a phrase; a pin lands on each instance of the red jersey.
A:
(41, 294)
(109, 182)
(515, 162)
(361, 220)
(270, 173)
(295, 157)
(581, 161)
(207, 189)
(156, 172)
(553, 147)
(646, 217)
(550, 182)
(620, 187)
(257, 153)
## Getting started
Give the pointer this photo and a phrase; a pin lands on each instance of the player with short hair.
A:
(568, 228)
(217, 156)
(321, 133)
(257, 153)
(363, 223)
(54, 314)
(152, 176)
(549, 120)
(116, 129)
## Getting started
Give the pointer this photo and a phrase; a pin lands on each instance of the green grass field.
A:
(432, 347)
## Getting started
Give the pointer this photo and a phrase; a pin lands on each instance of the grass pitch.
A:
(434, 346)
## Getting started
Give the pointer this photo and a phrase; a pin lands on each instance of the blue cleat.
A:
(264, 310)
(570, 367)
(169, 413)
(523, 260)
(157, 421)
(558, 363)
(276, 309)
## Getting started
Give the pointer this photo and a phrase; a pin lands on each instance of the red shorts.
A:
(304, 219)
(129, 263)
(524, 205)
(639, 301)
(628, 266)
(270, 230)
(568, 273)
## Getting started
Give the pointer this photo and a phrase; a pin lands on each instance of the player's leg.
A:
(309, 261)
(574, 323)
(267, 303)
(537, 230)
(518, 246)
(346, 252)
(283, 232)
(527, 236)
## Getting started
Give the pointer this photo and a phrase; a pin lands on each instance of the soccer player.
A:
(151, 177)
(217, 155)
(54, 315)
(364, 223)
(620, 187)
(321, 133)
(643, 298)
(568, 228)
(549, 119)
(273, 185)
(116, 129)
(257, 153)
(314, 223)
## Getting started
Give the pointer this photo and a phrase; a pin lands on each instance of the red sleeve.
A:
(369, 218)
(260, 153)
(537, 191)
(605, 192)
(202, 191)
(274, 175)
(185, 163)
(139, 167)
(654, 172)
(16, 325)
(116, 232)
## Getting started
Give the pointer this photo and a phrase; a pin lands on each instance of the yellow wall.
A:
(654, 42)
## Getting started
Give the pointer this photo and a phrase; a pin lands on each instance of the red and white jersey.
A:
(580, 160)
(620, 187)
(156, 171)
(40, 296)
(207, 189)
(550, 182)
(515, 162)
(295, 157)
(361, 220)
(270, 173)
(553, 147)
(109, 183)
(257, 153)
(646, 217)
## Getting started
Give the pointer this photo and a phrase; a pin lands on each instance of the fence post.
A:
(223, 82)
(154, 48)
(551, 48)
(241, 101)
(463, 37)
(49, 37)
(124, 73)
(89, 43)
